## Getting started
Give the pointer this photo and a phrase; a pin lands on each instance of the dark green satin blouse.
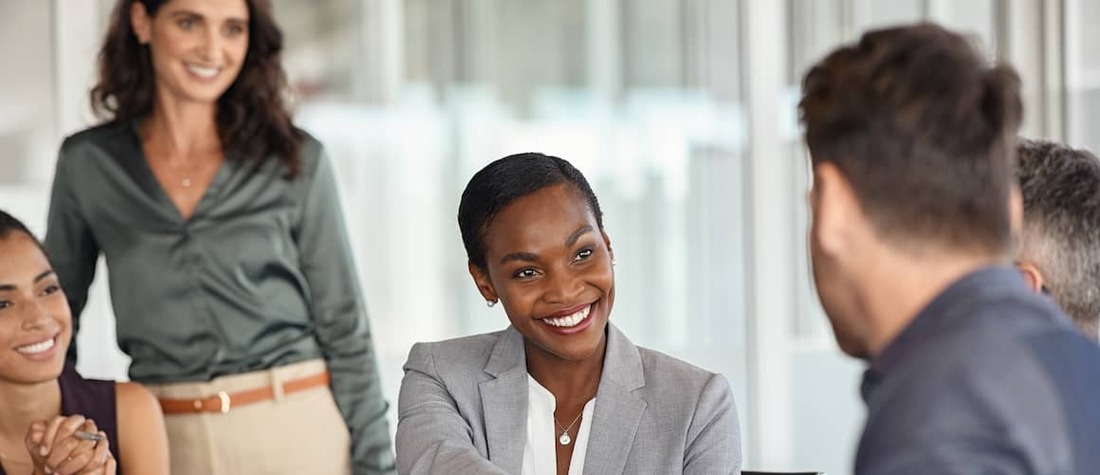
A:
(260, 276)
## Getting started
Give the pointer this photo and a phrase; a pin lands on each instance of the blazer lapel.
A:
(504, 402)
(618, 411)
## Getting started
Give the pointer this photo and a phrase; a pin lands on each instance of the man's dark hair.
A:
(506, 180)
(924, 129)
(1061, 191)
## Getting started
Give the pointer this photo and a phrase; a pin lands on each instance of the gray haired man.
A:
(1060, 243)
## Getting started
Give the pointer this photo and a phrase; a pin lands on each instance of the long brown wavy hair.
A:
(252, 115)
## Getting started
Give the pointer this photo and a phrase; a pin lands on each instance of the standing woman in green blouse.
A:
(230, 272)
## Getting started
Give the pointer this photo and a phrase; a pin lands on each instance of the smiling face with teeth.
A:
(35, 322)
(549, 264)
(197, 46)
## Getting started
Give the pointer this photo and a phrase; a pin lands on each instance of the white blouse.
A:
(539, 453)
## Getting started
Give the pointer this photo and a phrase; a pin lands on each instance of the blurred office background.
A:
(681, 113)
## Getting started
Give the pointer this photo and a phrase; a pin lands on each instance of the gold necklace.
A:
(188, 171)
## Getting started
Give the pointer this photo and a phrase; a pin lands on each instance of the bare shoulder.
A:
(143, 442)
(134, 397)
(138, 412)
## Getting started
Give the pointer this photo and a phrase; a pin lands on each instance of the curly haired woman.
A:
(230, 272)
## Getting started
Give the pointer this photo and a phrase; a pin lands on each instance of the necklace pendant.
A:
(565, 439)
(186, 183)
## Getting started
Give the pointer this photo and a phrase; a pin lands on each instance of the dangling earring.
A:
(490, 303)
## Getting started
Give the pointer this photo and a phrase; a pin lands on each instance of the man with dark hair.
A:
(911, 137)
(1060, 247)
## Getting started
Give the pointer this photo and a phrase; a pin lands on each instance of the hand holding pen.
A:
(69, 446)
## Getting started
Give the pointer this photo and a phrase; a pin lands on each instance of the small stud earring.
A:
(490, 303)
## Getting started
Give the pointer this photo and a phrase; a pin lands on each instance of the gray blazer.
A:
(463, 409)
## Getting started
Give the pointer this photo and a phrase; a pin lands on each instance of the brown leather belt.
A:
(223, 401)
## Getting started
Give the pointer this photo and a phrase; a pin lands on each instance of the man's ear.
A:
(1032, 275)
(140, 22)
(1016, 216)
(835, 208)
(483, 282)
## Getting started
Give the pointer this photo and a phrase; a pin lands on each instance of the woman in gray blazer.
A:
(561, 390)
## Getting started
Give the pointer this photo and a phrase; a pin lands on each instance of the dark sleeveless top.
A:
(93, 399)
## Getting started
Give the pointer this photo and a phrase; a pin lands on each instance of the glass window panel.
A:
(27, 108)
(871, 14)
(974, 18)
(1082, 87)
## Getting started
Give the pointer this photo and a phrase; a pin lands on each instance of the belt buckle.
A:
(226, 403)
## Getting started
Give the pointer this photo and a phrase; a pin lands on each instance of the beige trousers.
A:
(295, 433)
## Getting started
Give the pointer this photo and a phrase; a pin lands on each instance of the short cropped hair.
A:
(506, 180)
(1061, 192)
(924, 129)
